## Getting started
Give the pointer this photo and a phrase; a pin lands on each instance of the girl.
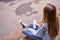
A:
(50, 28)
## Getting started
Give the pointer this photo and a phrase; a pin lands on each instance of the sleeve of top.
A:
(41, 31)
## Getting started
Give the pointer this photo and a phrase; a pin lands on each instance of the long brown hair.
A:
(51, 19)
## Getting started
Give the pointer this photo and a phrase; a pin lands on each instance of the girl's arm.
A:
(42, 30)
